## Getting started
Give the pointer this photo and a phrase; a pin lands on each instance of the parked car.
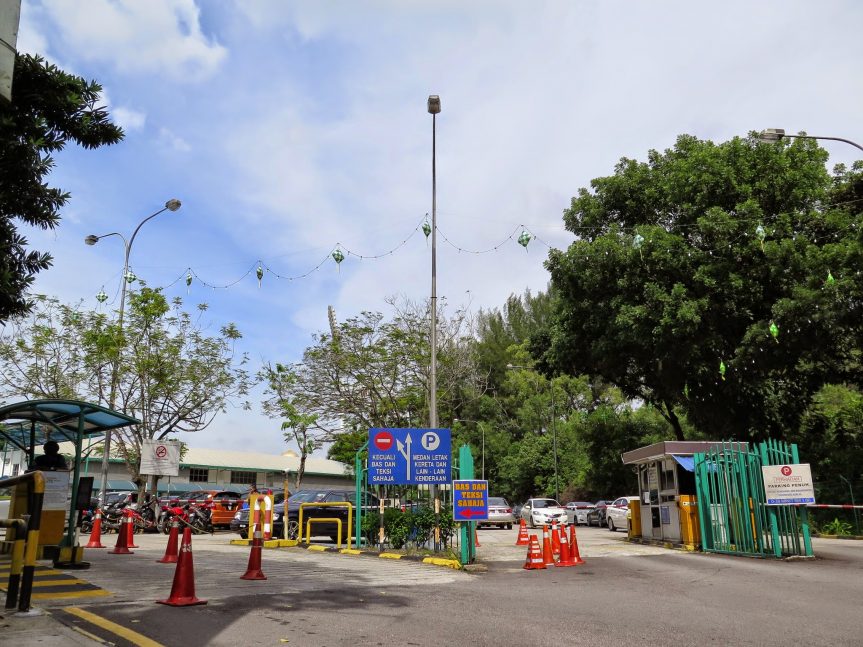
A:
(516, 511)
(596, 516)
(240, 522)
(617, 513)
(542, 511)
(499, 514)
(579, 510)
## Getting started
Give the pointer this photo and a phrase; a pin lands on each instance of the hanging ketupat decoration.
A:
(188, 281)
(338, 257)
(830, 279)
(524, 239)
(722, 369)
(774, 330)
(102, 297)
(130, 276)
(260, 274)
(427, 229)
(759, 231)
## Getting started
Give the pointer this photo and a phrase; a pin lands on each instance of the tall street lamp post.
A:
(770, 135)
(512, 367)
(92, 239)
(482, 431)
(434, 109)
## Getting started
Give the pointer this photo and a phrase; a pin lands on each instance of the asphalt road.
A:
(626, 594)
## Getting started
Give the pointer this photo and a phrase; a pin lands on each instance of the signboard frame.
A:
(160, 457)
(466, 505)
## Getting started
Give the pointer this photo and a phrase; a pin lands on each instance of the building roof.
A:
(668, 448)
(247, 461)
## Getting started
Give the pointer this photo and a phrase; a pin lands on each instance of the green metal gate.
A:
(732, 510)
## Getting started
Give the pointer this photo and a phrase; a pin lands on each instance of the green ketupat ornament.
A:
(722, 369)
(774, 330)
(524, 239)
(338, 257)
(188, 281)
(686, 390)
(101, 297)
(759, 231)
(130, 276)
(830, 279)
(427, 229)
(637, 242)
(260, 274)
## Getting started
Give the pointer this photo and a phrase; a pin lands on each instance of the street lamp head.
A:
(92, 239)
(771, 135)
(434, 104)
(173, 204)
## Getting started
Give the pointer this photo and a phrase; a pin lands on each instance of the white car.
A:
(542, 511)
(617, 513)
(578, 511)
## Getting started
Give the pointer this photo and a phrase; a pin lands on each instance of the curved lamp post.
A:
(434, 109)
(92, 239)
(513, 367)
(770, 135)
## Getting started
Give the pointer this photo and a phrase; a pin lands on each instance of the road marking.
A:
(119, 630)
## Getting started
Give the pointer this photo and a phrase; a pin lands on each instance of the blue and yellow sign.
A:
(409, 456)
(470, 500)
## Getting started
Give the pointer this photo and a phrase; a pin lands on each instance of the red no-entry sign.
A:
(383, 440)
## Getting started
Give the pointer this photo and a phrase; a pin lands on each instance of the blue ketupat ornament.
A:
(722, 369)
(338, 257)
(524, 239)
(774, 331)
(260, 274)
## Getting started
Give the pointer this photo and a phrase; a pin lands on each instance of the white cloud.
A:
(128, 119)
(157, 36)
(173, 142)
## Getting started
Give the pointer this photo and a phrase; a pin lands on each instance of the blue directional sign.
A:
(409, 456)
(469, 500)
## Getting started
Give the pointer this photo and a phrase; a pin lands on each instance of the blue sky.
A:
(287, 128)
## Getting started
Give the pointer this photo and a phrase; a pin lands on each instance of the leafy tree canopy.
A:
(717, 280)
(49, 108)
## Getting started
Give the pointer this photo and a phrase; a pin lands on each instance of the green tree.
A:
(48, 109)
(719, 281)
(171, 374)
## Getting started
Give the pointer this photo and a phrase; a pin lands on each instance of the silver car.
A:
(499, 514)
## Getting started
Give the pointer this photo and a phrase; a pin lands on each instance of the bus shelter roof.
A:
(58, 420)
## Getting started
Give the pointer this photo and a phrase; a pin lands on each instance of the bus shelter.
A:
(28, 425)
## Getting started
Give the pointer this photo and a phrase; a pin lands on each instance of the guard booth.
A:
(27, 426)
(667, 507)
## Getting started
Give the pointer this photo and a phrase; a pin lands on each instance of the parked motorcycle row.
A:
(151, 517)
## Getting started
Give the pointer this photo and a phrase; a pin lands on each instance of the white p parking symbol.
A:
(430, 441)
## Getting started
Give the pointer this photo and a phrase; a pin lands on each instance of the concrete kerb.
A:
(291, 543)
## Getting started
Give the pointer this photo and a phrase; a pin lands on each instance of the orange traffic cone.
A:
(573, 547)
(171, 549)
(476, 538)
(96, 533)
(565, 552)
(555, 538)
(253, 570)
(122, 545)
(534, 555)
(523, 539)
(183, 588)
(547, 554)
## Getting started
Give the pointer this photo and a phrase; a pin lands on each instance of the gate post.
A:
(358, 476)
(804, 513)
(771, 512)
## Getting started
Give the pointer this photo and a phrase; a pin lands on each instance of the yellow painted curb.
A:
(439, 561)
(240, 542)
(350, 551)
(317, 549)
(390, 556)
(272, 543)
(288, 543)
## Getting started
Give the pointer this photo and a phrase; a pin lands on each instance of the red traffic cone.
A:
(573, 547)
(476, 538)
(565, 552)
(555, 538)
(523, 539)
(547, 555)
(122, 546)
(130, 531)
(171, 549)
(96, 533)
(534, 555)
(253, 570)
(183, 588)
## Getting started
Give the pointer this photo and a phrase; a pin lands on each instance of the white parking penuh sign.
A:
(160, 457)
(788, 484)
